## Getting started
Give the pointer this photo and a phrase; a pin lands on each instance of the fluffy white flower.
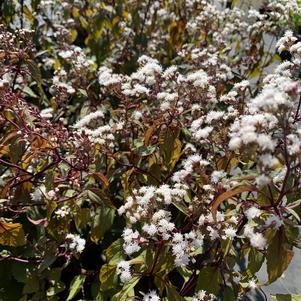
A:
(214, 115)
(257, 240)
(150, 229)
(63, 211)
(65, 54)
(198, 78)
(262, 180)
(274, 221)
(123, 270)
(286, 41)
(202, 220)
(151, 296)
(75, 242)
(38, 193)
(131, 241)
(47, 113)
(230, 232)
(88, 118)
(252, 213)
(203, 133)
(107, 78)
(235, 143)
(199, 296)
(216, 176)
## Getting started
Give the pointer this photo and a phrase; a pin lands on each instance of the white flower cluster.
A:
(132, 240)
(261, 127)
(198, 79)
(148, 199)
(106, 78)
(123, 269)
(273, 221)
(192, 162)
(183, 245)
(203, 296)
(246, 131)
(75, 242)
(102, 134)
(143, 85)
(85, 121)
(151, 296)
(47, 113)
(150, 68)
(76, 57)
(63, 211)
(257, 240)
(145, 205)
(218, 227)
(61, 80)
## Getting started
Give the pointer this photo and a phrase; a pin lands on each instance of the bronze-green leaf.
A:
(11, 234)
(279, 255)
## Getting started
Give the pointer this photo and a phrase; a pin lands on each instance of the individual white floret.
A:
(151, 296)
(262, 180)
(252, 213)
(199, 296)
(230, 232)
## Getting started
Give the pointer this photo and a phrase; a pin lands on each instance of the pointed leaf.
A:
(279, 255)
(11, 234)
(75, 286)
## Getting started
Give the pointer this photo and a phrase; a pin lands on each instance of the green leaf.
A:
(176, 153)
(75, 286)
(140, 259)
(57, 287)
(145, 150)
(169, 146)
(81, 218)
(292, 232)
(21, 271)
(209, 280)
(28, 14)
(279, 255)
(155, 171)
(172, 294)
(73, 34)
(29, 92)
(108, 277)
(102, 222)
(229, 294)
(34, 70)
(36, 75)
(97, 196)
(114, 252)
(127, 291)
(256, 260)
(32, 285)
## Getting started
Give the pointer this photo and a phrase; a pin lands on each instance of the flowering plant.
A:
(149, 150)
